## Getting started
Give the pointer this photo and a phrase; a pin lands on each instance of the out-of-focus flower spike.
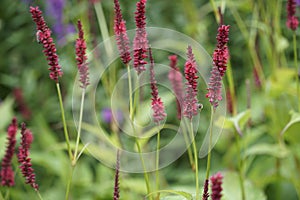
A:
(24, 159)
(43, 35)
(292, 20)
(117, 177)
(140, 42)
(216, 186)
(175, 78)
(81, 57)
(7, 173)
(157, 104)
(121, 34)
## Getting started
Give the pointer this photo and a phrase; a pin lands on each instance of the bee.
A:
(39, 35)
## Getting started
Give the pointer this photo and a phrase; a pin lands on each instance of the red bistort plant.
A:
(7, 173)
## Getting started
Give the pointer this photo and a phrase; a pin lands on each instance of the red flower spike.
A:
(216, 186)
(220, 56)
(121, 35)
(205, 194)
(215, 87)
(157, 105)
(7, 174)
(292, 20)
(175, 78)
(190, 103)
(24, 159)
(140, 42)
(117, 177)
(44, 37)
(81, 57)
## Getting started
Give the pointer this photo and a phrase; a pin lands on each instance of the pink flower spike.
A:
(205, 194)
(215, 87)
(292, 21)
(175, 78)
(7, 175)
(157, 105)
(81, 57)
(190, 103)
(140, 42)
(43, 35)
(24, 159)
(121, 35)
(216, 186)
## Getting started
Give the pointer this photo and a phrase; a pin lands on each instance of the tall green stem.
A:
(64, 121)
(190, 153)
(297, 70)
(69, 183)
(210, 143)
(1, 196)
(240, 167)
(39, 195)
(79, 128)
(213, 5)
(131, 118)
(157, 163)
(196, 161)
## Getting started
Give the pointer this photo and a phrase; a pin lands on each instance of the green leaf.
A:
(294, 119)
(275, 150)
(232, 188)
(186, 195)
(6, 110)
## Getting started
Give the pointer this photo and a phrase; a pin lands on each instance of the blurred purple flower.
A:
(109, 116)
(298, 2)
(55, 9)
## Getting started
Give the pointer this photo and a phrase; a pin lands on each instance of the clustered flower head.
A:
(216, 186)
(190, 103)
(43, 35)
(157, 104)
(7, 173)
(205, 190)
(81, 57)
(24, 159)
(140, 42)
(175, 78)
(292, 20)
(116, 187)
(121, 35)
(220, 58)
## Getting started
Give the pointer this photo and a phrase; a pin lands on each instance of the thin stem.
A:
(79, 128)
(69, 183)
(64, 120)
(131, 118)
(193, 137)
(240, 167)
(1, 196)
(231, 88)
(210, 142)
(39, 195)
(157, 162)
(213, 5)
(190, 154)
(297, 69)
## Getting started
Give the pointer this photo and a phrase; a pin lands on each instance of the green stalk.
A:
(190, 154)
(69, 183)
(64, 120)
(131, 116)
(1, 196)
(231, 87)
(213, 5)
(157, 164)
(297, 69)
(240, 167)
(193, 137)
(79, 128)
(39, 195)
(210, 142)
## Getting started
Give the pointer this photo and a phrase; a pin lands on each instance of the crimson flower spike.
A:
(190, 104)
(157, 105)
(216, 186)
(140, 42)
(175, 78)
(43, 36)
(24, 159)
(292, 20)
(121, 34)
(205, 194)
(220, 58)
(7, 173)
(117, 177)
(81, 57)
